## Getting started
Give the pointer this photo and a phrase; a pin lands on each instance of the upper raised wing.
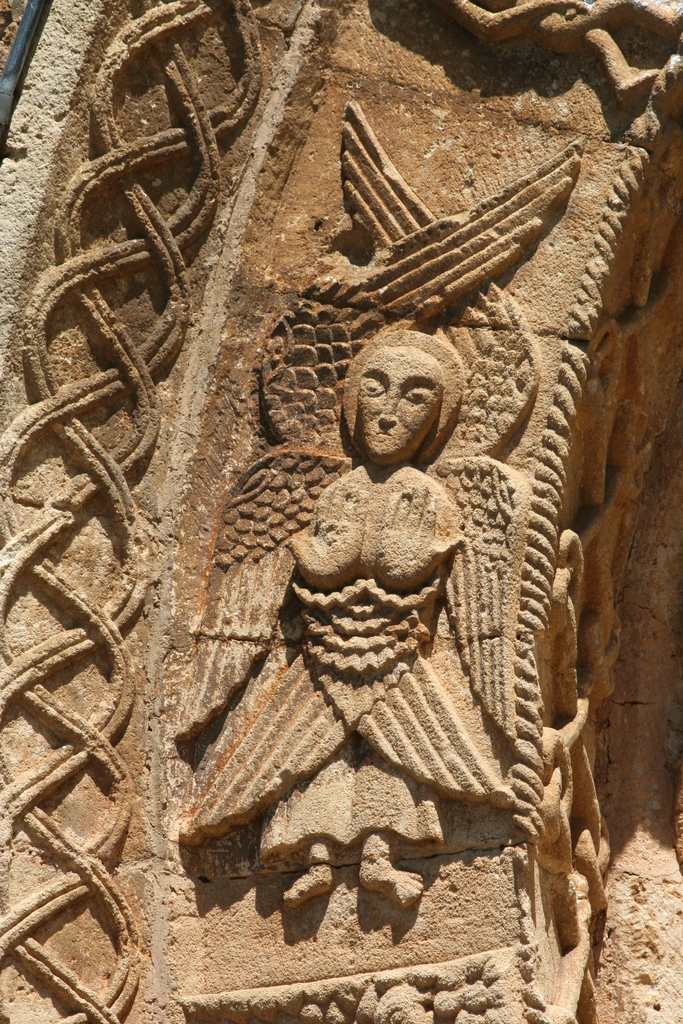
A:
(250, 574)
(376, 194)
(484, 591)
(422, 272)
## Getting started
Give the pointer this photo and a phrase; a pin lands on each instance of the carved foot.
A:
(379, 875)
(316, 882)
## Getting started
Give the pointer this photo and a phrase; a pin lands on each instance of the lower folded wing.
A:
(417, 728)
(281, 732)
(238, 624)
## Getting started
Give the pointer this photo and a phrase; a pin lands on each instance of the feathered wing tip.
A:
(221, 667)
(240, 616)
(378, 197)
(281, 732)
(418, 728)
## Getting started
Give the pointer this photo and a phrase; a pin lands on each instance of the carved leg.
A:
(316, 881)
(378, 874)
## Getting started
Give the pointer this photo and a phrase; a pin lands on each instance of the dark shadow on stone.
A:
(225, 858)
(221, 893)
(510, 67)
(304, 923)
(375, 912)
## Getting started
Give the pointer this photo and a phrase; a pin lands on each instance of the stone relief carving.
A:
(585, 315)
(75, 544)
(408, 623)
(474, 985)
(563, 28)
(371, 567)
(423, 264)
(381, 576)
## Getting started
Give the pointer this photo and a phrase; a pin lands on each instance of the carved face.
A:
(399, 398)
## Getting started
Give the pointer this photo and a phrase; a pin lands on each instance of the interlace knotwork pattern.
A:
(565, 27)
(73, 548)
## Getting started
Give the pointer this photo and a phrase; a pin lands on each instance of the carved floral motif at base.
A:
(410, 995)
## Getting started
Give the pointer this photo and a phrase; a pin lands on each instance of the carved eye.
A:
(372, 387)
(418, 396)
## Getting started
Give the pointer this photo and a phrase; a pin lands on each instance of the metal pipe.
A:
(16, 60)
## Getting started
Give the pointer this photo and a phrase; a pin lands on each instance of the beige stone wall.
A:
(8, 27)
(339, 471)
(640, 977)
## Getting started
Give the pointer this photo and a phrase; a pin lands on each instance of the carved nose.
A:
(387, 422)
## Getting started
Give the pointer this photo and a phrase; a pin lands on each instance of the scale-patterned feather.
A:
(303, 370)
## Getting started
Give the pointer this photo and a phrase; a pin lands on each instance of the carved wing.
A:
(423, 270)
(500, 355)
(484, 588)
(250, 574)
(303, 371)
(282, 731)
(417, 728)
(375, 193)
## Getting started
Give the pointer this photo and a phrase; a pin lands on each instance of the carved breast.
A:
(393, 525)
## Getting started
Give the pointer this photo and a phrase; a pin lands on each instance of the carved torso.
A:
(391, 524)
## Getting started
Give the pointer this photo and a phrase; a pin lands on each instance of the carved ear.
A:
(501, 374)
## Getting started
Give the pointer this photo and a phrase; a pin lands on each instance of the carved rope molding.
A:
(563, 26)
(42, 517)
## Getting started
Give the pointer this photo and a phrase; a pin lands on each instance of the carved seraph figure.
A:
(330, 580)
(360, 711)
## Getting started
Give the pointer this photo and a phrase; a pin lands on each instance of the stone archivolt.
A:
(69, 462)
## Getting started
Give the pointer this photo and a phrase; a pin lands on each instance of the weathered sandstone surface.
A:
(340, 514)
